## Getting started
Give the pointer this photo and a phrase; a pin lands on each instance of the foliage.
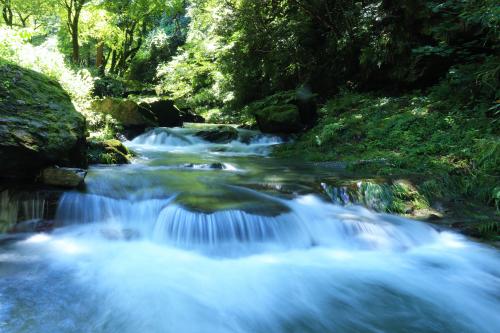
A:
(447, 134)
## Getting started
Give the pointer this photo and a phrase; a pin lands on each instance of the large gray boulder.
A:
(39, 125)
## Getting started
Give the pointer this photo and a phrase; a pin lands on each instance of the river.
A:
(202, 237)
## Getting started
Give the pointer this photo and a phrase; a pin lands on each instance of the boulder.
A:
(107, 152)
(63, 177)
(188, 116)
(219, 134)
(39, 125)
(165, 113)
(285, 112)
(126, 112)
(279, 119)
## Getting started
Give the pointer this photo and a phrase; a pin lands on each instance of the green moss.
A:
(283, 118)
(38, 124)
(453, 146)
(108, 152)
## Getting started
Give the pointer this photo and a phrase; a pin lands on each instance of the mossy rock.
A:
(398, 197)
(125, 111)
(284, 112)
(219, 134)
(108, 152)
(39, 125)
(279, 119)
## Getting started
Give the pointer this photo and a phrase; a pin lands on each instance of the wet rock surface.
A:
(219, 134)
(63, 177)
(108, 152)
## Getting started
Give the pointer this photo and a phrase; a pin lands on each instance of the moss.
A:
(279, 119)
(453, 147)
(39, 124)
(108, 152)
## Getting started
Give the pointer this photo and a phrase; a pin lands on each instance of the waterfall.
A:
(8, 211)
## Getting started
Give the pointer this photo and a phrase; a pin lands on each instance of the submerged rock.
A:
(219, 134)
(108, 152)
(213, 166)
(39, 125)
(63, 177)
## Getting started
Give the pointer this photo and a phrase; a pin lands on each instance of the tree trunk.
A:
(99, 57)
(74, 37)
(8, 15)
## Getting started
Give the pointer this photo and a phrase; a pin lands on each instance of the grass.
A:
(450, 143)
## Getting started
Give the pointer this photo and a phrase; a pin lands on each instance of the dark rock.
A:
(108, 152)
(165, 112)
(188, 116)
(63, 177)
(219, 134)
(39, 125)
(279, 119)
(217, 165)
(36, 225)
(285, 112)
(249, 126)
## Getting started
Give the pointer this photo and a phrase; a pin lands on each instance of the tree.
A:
(73, 9)
(7, 12)
(136, 19)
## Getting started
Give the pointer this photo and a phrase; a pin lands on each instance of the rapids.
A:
(201, 237)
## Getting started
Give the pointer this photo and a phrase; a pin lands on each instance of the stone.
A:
(285, 112)
(283, 119)
(39, 125)
(126, 112)
(107, 152)
(63, 177)
(219, 134)
(165, 112)
(188, 116)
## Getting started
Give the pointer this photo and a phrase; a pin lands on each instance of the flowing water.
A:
(202, 237)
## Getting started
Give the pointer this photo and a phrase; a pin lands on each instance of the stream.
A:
(203, 237)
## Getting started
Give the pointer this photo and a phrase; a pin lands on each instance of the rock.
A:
(63, 177)
(279, 119)
(165, 112)
(188, 116)
(214, 166)
(39, 125)
(36, 225)
(217, 166)
(219, 134)
(285, 112)
(108, 152)
(126, 112)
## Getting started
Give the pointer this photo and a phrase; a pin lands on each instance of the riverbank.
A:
(447, 148)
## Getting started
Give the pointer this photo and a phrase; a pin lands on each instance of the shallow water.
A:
(201, 237)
